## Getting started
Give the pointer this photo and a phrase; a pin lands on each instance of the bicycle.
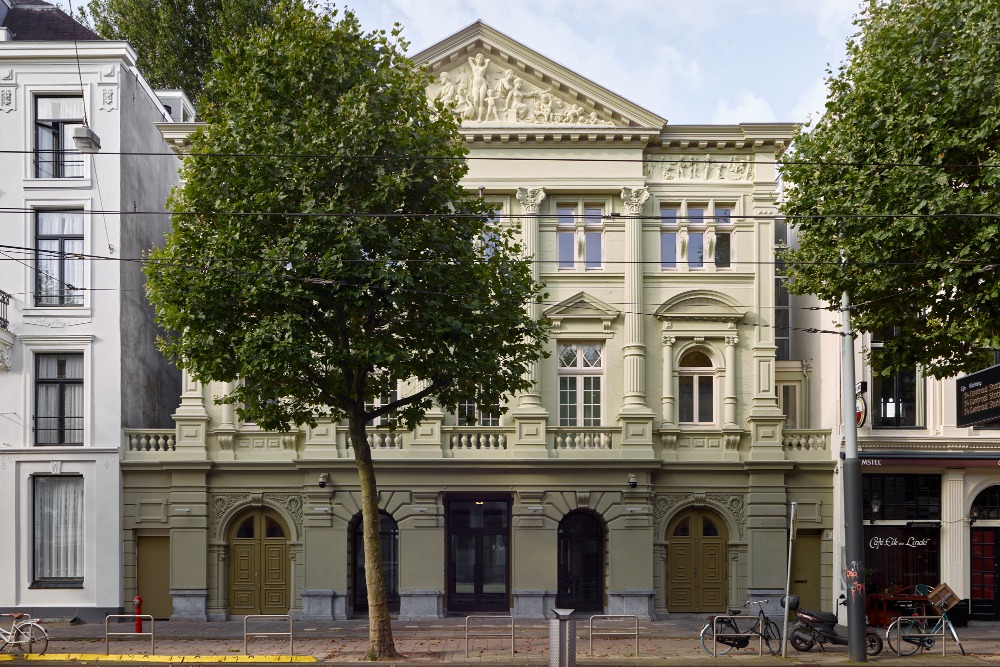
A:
(731, 636)
(26, 635)
(913, 634)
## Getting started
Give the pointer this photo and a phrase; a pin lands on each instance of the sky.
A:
(689, 61)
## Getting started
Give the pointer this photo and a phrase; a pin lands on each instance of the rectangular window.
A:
(386, 420)
(901, 497)
(59, 263)
(696, 238)
(471, 412)
(59, 399)
(668, 237)
(581, 373)
(898, 399)
(723, 237)
(55, 154)
(566, 236)
(788, 403)
(696, 399)
(58, 531)
(593, 237)
(782, 300)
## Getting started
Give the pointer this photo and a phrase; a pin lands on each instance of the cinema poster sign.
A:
(978, 397)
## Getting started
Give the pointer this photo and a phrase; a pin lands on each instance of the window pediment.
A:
(582, 308)
(701, 306)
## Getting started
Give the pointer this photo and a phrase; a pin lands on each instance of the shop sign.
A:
(912, 542)
(978, 397)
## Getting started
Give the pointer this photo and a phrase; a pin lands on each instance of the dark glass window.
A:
(389, 543)
(55, 153)
(987, 504)
(897, 399)
(902, 497)
(59, 399)
(59, 266)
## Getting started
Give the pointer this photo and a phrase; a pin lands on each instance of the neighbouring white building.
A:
(77, 356)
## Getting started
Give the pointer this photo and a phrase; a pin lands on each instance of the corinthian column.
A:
(729, 398)
(668, 380)
(531, 202)
(634, 351)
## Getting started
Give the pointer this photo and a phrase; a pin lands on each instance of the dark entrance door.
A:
(581, 563)
(478, 570)
(984, 574)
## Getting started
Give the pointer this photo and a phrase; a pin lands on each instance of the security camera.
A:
(324, 479)
(632, 481)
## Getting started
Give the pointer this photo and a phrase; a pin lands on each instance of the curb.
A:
(189, 659)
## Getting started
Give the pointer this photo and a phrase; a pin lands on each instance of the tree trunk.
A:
(380, 644)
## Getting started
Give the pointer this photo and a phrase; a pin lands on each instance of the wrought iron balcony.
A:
(4, 302)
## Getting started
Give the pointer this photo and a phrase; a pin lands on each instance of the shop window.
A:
(581, 377)
(898, 397)
(901, 497)
(696, 381)
(58, 541)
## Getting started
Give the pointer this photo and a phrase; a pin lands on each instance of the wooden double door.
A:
(697, 563)
(984, 573)
(258, 564)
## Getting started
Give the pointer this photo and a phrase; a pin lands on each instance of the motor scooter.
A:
(820, 627)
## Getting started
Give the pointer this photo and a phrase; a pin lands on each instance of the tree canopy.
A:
(175, 39)
(323, 247)
(893, 189)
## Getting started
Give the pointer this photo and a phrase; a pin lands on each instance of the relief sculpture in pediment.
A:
(483, 93)
(690, 168)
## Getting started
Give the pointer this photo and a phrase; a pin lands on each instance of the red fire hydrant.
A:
(137, 601)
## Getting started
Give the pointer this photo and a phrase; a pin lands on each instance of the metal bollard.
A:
(562, 639)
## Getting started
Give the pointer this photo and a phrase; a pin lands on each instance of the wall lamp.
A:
(876, 508)
(973, 515)
(324, 479)
(633, 481)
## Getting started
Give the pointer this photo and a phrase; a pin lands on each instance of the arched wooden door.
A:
(697, 572)
(258, 564)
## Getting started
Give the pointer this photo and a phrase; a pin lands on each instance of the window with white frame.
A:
(58, 399)
(386, 420)
(471, 411)
(491, 232)
(668, 237)
(57, 544)
(723, 237)
(584, 223)
(696, 384)
(56, 155)
(695, 237)
(581, 377)
(898, 398)
(59, 263)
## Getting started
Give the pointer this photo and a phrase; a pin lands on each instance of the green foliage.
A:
(378, 280)
(921, 86)
(174, 39)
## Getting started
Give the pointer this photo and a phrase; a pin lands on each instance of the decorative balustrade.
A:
(805, 440)
(151, 441)
(381, 439)
(481, 438)
(581, 438)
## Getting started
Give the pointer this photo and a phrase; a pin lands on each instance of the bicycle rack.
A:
(941, 634)
(615, 633)
(151, 634)
(716, 635)
(262, 635)
(476, 630)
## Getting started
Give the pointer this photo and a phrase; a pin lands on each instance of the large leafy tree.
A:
(323, 248)
(175, 39)
(893, 189)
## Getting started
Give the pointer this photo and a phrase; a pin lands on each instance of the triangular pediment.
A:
(701, 305)
(582, 306)
(491, 80)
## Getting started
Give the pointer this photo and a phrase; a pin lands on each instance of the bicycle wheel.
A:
(708, 637)
(909, 636)
(772, 637)
(30, 637)
(954, 635)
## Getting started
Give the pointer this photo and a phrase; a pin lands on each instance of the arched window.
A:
(389, 538)
(987, 504)
(696, 380)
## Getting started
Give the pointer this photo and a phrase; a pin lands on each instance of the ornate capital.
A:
(634, 198)
(732, 340)
(669, 340)
(531, 199)
(5, 351)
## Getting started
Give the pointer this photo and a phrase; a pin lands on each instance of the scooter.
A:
(819, 627)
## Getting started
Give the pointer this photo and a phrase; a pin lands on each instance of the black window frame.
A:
(67, 295)
(58, 129)
(61, 417)
(894, 387)
(902, 497)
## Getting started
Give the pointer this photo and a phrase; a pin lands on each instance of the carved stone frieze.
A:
(223, 503)
(663, 503)
(707, 168)
(734, 503)
(290, 502)
(479, 91)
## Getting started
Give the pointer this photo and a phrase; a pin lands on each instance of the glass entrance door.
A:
(983, 574)
(478, 569)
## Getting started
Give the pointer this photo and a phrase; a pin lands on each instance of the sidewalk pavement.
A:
(672, 641)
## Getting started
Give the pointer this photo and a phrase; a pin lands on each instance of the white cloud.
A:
(745, 108)
(811, 102)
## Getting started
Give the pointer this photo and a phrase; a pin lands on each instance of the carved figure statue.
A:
(477, 96)
(516, 108)
(463, 103)
(491, 105)
(503, 87)
(573, 113)
(544, 107)
(710, 243)
(447, 92)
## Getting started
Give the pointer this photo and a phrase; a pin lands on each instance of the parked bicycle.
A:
(918, 634)
(727, 633)
(26, 635)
